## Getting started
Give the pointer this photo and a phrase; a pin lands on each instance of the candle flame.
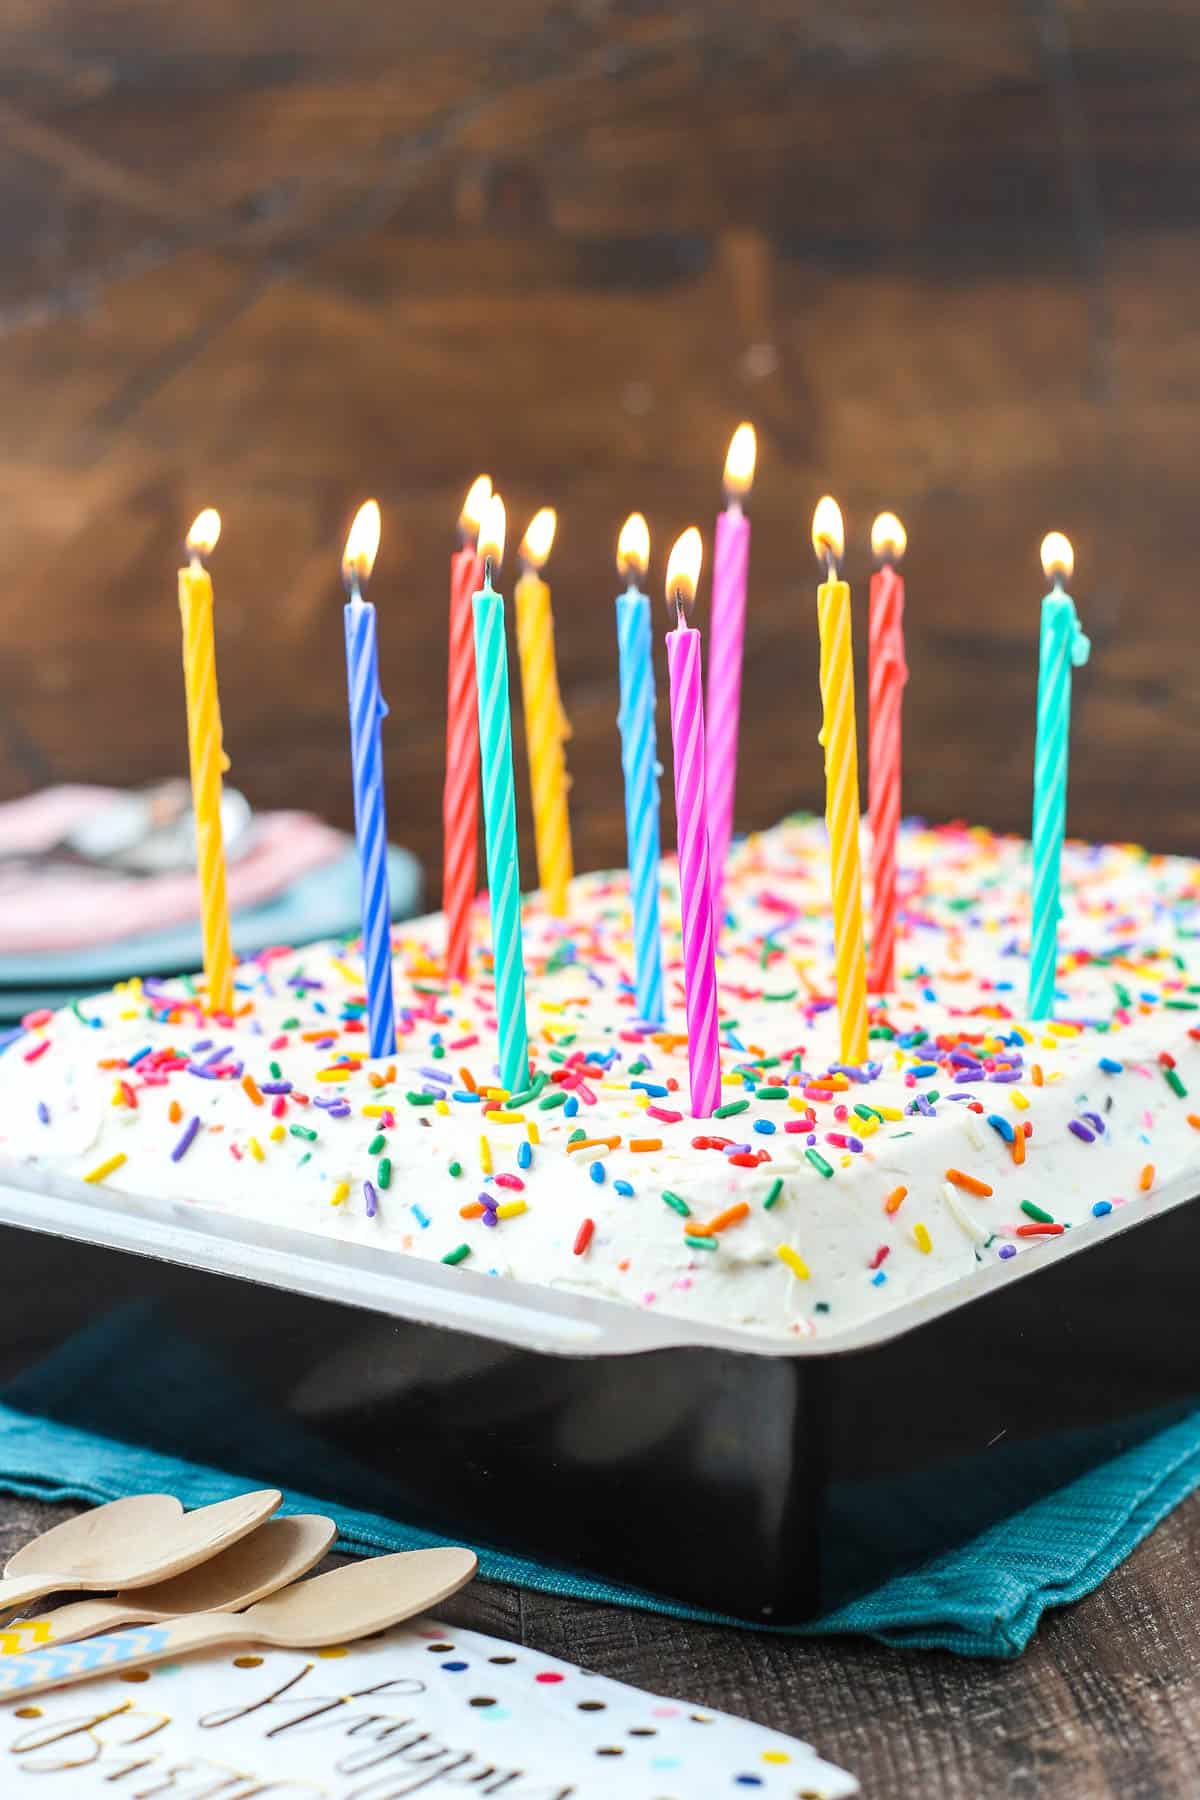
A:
(739, 462)
(889, 540)
(539, 538)
(478, 495)
(1058, 558)
(683, 567)
(633, 547)
(491, 531)
(828, 532)
(362, 545)
(206, 529)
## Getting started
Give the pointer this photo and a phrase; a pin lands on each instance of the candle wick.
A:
(487, 571)
(195, 562)
(680, 614)
(733, 504)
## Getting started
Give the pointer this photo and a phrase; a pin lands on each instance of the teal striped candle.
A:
(500, 807)
(639, 763)
(1063, 647)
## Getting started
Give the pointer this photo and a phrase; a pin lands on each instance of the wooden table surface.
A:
(1104, 1705)
(276, 258)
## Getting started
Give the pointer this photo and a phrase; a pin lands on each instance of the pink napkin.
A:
(64, 908)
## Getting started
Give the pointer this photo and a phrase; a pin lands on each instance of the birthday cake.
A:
(818, 1196)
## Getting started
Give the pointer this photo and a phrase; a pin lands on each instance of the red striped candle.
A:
(731, 556)
(460, 796)
(888, 674)
(695, 897)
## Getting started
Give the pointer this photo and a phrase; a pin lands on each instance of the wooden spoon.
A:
(348, 1603)
(279, 1552)
(129, 1544)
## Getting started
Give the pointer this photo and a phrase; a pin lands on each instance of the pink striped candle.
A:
(888, 674)
(687, 733)
(731, 556)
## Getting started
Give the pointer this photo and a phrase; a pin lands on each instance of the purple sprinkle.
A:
(1005, 1075)
(185, 1143)
(217, 1056)
(201, 1044)
(972, 1074)
(437, 1075)
(202, 1072)
(371, 1198)
(923, 1106)
(737, 1149)
(1094, 1119)
(1081, 1131)
(326, 1105)
(43, 1112)
(1007, 1250)
(964, 1060)
(275, 1087)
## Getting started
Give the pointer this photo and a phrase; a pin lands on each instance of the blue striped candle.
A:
(500, 808)
(367, 712)
(639, 761)
(1063, 647)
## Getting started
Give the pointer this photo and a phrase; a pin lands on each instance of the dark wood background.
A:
(277, 258)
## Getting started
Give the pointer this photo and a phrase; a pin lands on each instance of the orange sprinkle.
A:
(314, 1037)
(473, 1210)
(723, 1220)
(174, 1112)
(1193, 1120)
(970, 1183)
(1018, 1148)
(895, 1200)
(252, 1088)
(468, 1081)
(609, 1143)
(376, 1081)
(645, 1143)
(1146, 1179)
(1039, 1080)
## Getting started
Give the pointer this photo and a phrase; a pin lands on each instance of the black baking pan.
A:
(767, 1479)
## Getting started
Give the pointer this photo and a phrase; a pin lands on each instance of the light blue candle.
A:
(1063, 647)
(500, 808)
(367, 712)
(639, 761)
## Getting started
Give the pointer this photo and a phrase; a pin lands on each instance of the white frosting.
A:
(66, 1083)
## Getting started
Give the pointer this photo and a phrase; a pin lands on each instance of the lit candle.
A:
(889, 672)
(460, 796)
(731, 556)
(639, 761)
(546, 727)
(1063, 647)
(500, 807)
(207, 754)
(367, 712)
(841, 781)
(695, 892)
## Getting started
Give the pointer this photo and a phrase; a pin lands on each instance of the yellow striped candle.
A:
(841, 782)
(207, 753)
(546, 727)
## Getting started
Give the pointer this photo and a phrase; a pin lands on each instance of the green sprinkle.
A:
(383, 1173)
(772, 1093)
(867, 1112)
(376, 1145)
(527, 1094)
(455, 1169)
(789, 995)
(776, 1190)
(290, 1025)
(1039, 1213)
(639, 1067)
(1180, 1005)
(303, 1131)
(557, 1098)
(1124, 997)
(188, 984)
(818, 1162)
(1175, 1083)
(730, 1107)
(276, 1071)
(307, 1157)
(454, 1257)
(78, 1014)
(577, 1136)
(677, 1203)
(699, 1243)
(419, 1099)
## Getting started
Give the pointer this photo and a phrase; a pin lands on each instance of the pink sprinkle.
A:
(1148, 1120)
(879, 1256)
(585, 1093)
(509, 1181)
(664, 1114)
(279, 1105)
(38, 1050)
(463, 1043)
(279, 1043)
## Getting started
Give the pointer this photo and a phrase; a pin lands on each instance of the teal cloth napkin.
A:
(983, 1599)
